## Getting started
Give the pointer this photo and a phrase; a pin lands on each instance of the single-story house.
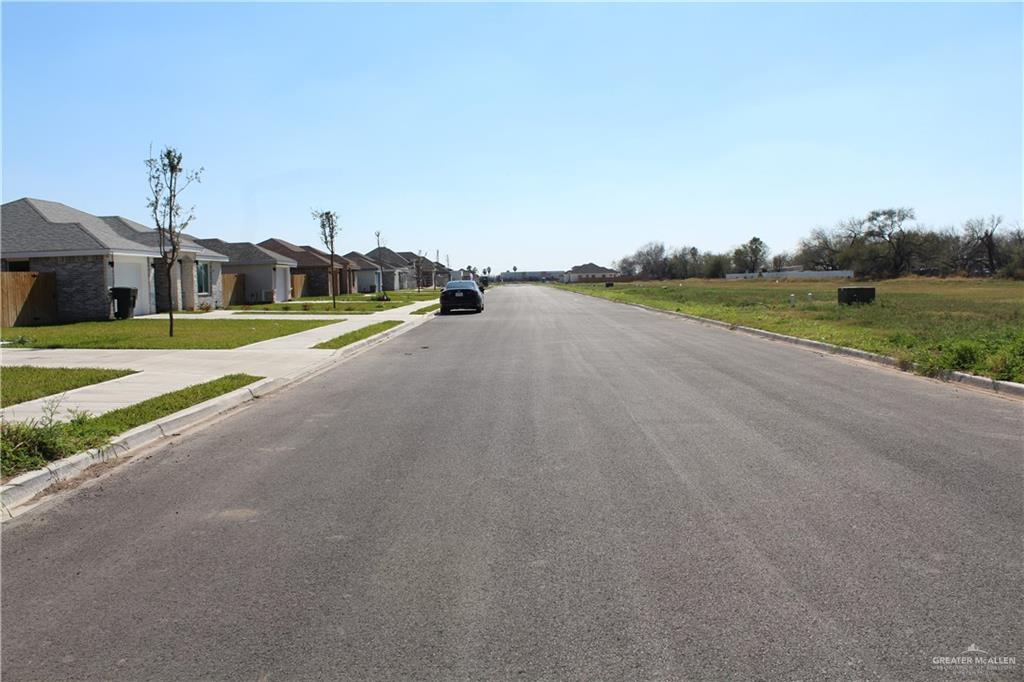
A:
(589, 272)
(195, 282)
(268, 276)
(367, 274)
(345, 269)
(442, 275)
(429, 274)
(398, 272)
(315, 265)
(89, 254)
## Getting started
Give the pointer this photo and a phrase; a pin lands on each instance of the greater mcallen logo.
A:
(974, 657)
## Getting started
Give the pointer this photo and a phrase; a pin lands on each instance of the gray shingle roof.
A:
(305, 256)
(426, 265)
(388, 258)
(339, 260)
(246, 253)
(38, 226)
(360, 261)
(146, 235)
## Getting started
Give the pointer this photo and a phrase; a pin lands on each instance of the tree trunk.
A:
(170, 298)
(335, 283)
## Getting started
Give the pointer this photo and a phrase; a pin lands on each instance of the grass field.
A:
(426, 309)
(20, 384)
(971, 325)
(358, 335)
(188, 333)
(29, 445)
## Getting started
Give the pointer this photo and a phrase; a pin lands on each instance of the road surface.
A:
(559, 488)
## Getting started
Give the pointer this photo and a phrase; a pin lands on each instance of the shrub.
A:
(961, 355)
(205, 306)
(31, 444)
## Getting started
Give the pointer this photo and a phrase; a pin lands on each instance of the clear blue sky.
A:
(535, 135)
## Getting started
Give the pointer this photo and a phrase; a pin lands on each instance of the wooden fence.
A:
(28, 298)
(299, 286)
(233, 287)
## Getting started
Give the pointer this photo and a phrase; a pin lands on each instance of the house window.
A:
(203, 278)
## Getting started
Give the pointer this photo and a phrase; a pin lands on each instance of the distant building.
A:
(589, 272)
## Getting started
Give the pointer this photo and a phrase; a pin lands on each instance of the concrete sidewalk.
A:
(401, 311)
(162, 371)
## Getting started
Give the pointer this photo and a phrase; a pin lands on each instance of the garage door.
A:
(283, 283)
(133, 275)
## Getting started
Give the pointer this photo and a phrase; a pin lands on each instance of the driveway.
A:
(561, 487)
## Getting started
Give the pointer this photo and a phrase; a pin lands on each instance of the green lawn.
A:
(358, 335)
(304, 312)
(971, 325)
(366, 306)
(426, 309)
(22, 383)
(29, 445)
(188, 333)
(404, 296)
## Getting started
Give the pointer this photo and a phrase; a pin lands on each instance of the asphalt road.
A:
(559, 488)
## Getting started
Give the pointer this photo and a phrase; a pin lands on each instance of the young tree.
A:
(167, 180)
(328, 233)
(418, 266)
(380, 268)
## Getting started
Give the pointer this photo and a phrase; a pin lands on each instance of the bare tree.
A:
(167, 180)
(981, 233)
(781, 260)
(886, 226)
(820, 250)
(328, 233)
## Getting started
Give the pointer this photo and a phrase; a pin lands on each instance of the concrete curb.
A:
(1004, 388)
(24, 487)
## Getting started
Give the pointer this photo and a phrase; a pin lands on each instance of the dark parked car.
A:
(461, 294)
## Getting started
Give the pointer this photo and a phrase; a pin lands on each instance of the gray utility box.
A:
(850, 295)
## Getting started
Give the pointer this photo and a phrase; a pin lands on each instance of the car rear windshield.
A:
(461, 284)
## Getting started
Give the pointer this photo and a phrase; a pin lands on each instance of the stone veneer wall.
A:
(160, 286)
(316, 280)
(83, 286)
